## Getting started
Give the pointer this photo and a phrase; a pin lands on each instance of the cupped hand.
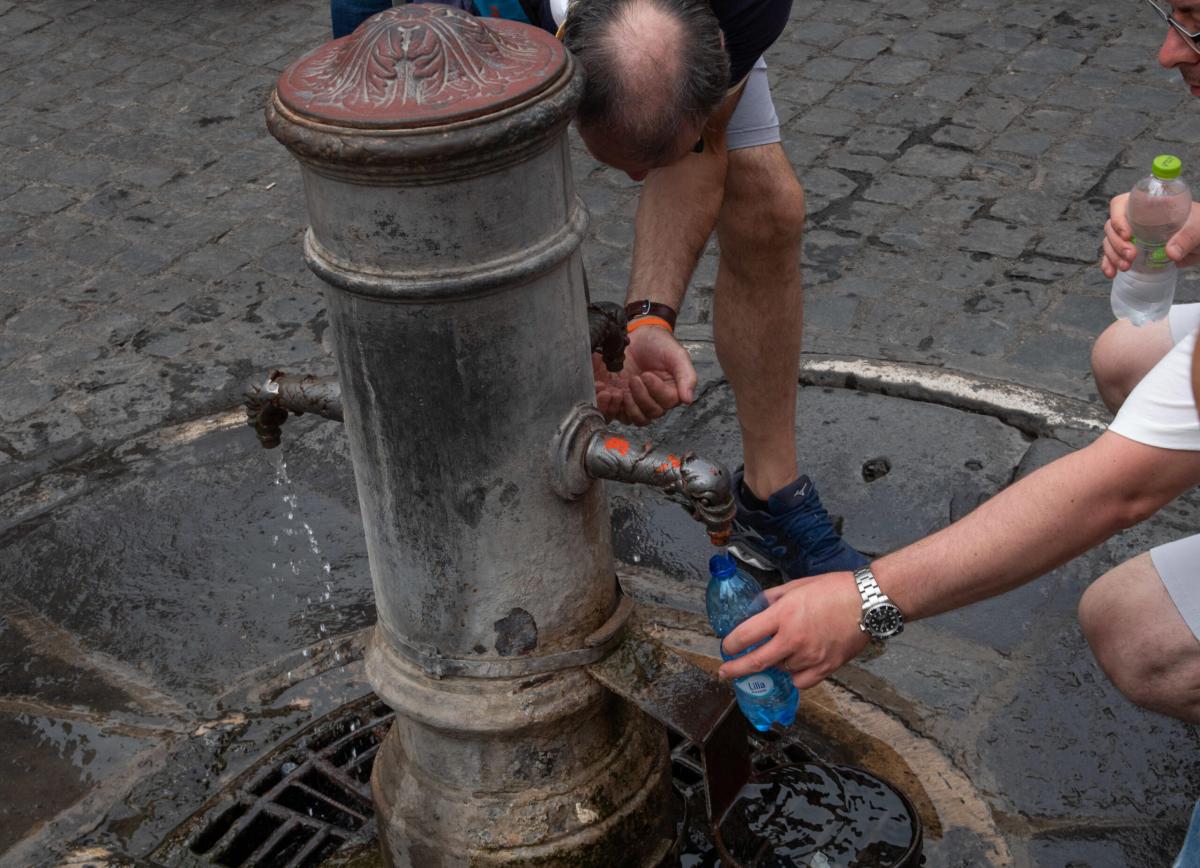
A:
(1119, 252)
(810, 629)
(658, 375)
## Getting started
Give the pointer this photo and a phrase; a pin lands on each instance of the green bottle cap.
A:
(1166, 167)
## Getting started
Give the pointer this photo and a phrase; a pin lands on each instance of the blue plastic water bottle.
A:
(1189, 856)
(765, 697)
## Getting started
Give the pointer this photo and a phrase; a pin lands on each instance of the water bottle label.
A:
(754, 685)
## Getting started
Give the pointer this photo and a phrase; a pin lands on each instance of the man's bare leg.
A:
(1141, 641)
(759, 308)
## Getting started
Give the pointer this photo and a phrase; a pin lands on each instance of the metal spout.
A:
(268, 404)
(584, 449)
(607, 329)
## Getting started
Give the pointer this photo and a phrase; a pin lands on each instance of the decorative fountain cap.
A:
(421, 65)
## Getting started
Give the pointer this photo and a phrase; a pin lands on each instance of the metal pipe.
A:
(267, 405)
(703, 486)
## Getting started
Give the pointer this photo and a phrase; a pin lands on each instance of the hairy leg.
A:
(759, 308)
(1141, 641)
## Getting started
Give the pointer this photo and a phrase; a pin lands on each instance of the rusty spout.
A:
(267, 405)
(607, 328)
(584, 449)
(701, 485)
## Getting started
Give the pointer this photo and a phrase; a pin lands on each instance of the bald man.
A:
(676, 95)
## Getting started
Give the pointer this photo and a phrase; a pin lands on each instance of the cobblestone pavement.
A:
(958, 159)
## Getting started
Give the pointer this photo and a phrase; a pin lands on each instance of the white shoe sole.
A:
(749, 557)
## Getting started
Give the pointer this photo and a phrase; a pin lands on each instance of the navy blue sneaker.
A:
(793, 534)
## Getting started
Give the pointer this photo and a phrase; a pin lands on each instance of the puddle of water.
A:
(817, 816)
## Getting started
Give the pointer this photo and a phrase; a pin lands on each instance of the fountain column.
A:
(444, 221)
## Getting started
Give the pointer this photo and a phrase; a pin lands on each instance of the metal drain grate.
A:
(310, 799)
(305, 801)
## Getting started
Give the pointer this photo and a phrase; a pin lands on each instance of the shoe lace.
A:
(810, 524)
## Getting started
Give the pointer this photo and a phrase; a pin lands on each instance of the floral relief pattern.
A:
(419, 56)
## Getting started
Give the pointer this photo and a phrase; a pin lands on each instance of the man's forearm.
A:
(1035, 525)
(675, 217)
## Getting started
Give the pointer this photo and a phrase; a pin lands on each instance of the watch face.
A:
(883, 621)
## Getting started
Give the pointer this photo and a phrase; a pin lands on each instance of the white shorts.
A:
(754, 121)
(1161, 411)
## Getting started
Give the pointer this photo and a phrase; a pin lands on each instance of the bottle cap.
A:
(1166, 167)
(721, 565)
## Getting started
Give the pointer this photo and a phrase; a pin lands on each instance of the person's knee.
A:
(1124, 354)
(764, 204)
(1110, 368)
(1125, 643)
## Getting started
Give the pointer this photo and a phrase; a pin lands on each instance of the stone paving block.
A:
(862, 47)
(954, 23)
(863, 164)
(862, 218)
(1089, 314)
(893, 70)
(803, 150)
(896, 189)
(1124, 58)
(881, 140)
(1026, 86)
(1024, 142)
(38, 201)
(829, 68)
(1087, 150)
(1081, 244)
(826, 122)
(819, 33)
(931, 161)
(922, 44)
(1047, 60)
(19, 21)
(948, 210)
(965, 138)
(802, 92)
(863, 98)
(1029, 208)
(912, 111)
(1052, 120)
(1006, 40)
(211, 261)
(988, 112)
(996, 238)
(979, 61)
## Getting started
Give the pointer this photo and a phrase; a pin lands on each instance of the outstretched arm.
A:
(1028, 529)
(676, 214)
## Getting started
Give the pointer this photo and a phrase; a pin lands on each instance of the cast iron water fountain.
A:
(528, 726)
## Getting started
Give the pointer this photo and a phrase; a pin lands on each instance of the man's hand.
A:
(658, 376)
(1119, 251)
(812, 625)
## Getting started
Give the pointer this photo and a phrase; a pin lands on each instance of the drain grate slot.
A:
(259, 828)
(301, 799)
(216, 830)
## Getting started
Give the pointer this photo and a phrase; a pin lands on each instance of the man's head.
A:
(655, 70)
(1179, 50)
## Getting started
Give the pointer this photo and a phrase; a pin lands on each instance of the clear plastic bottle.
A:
(1159, 205)
(765, 697)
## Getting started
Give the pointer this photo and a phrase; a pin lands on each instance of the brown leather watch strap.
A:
(636, 309)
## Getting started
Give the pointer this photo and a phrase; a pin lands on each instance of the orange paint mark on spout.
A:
(617, 444)
(672, 462)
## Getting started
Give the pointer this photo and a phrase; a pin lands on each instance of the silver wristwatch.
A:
(881, 619)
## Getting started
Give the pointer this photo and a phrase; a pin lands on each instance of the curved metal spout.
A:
(584, 449)
(607, 329)
(268, 404)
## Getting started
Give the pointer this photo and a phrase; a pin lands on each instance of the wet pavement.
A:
(171, 605)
